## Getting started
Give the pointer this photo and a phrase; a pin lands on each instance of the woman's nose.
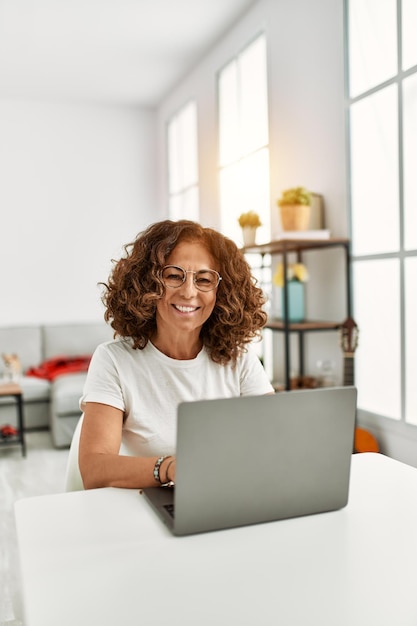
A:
(188, 287)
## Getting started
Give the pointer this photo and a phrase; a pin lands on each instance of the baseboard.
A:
(396, 439)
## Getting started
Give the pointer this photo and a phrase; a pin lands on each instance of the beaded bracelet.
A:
(158, 467)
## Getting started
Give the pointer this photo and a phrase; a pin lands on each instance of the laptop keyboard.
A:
(170, 509)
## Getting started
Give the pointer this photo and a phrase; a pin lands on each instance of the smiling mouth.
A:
(185, 309)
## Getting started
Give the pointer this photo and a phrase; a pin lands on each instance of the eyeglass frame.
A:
(185, 272)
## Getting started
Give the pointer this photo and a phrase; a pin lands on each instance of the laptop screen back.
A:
(262, 458)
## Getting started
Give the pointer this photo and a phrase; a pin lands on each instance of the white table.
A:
(101, 558)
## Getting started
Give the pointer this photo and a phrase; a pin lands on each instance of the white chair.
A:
(73, 480)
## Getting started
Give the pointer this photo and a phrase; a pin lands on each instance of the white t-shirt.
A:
(147, 386)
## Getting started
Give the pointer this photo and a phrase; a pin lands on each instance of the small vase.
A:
(249, 235)
(295, 301)
(295, 216)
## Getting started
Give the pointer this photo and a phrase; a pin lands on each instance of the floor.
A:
(41, 472)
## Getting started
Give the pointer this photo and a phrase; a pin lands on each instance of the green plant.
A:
(295, 195)
(249, 219)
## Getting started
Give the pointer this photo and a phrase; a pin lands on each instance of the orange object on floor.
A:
(364, 441)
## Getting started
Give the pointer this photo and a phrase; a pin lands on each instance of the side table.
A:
(13, 390)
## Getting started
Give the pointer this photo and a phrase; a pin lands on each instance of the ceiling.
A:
(119, 51)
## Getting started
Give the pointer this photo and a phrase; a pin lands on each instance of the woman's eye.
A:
(204, 280)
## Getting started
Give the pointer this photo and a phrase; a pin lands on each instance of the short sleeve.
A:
(253, 378)
(103, 380)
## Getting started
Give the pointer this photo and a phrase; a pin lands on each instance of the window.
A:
(243, 140)
(183, 164)
(374, 172)
(409, 40)
(382, 102)
(410, 160)
(244, 155)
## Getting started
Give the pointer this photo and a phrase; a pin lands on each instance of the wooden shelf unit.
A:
(284, 247)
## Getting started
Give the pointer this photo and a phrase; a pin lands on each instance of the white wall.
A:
(307, 136)
(78, 181)
(306, 102)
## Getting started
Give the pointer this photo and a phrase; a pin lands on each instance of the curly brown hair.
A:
(134, 286)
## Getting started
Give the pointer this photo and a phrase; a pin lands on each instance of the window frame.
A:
(384, 423)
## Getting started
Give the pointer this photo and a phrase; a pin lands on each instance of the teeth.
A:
(185, 309)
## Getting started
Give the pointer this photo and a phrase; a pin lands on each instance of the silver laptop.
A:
(256, 459)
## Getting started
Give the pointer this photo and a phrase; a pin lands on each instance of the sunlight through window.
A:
(372, 43)
(374, 158)
(410, 161)
(183, 164)
(243, 140)
(409, 39)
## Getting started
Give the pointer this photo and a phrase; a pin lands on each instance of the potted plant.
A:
(249, 222)
(295, 208)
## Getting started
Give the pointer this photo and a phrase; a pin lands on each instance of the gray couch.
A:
(55, 404)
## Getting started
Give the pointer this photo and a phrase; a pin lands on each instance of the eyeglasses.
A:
(205, 280)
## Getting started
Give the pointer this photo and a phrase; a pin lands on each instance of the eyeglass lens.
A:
(204, 280)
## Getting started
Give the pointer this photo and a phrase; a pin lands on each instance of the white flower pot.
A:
(249, 235)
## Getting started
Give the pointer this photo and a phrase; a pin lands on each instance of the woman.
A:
(184, 307)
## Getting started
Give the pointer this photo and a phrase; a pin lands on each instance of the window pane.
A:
(243, 133)
(411, 340)
(185, 205)
(183, 164)
(175, 206)
(409, 39)
(188, 146)
(378, 357)
(410, 161)
(254, 92)
(190, 203)
(372, 43)
(244, 187)
(374, 171)
(174, 174)
(228, 115)
(243, 104)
